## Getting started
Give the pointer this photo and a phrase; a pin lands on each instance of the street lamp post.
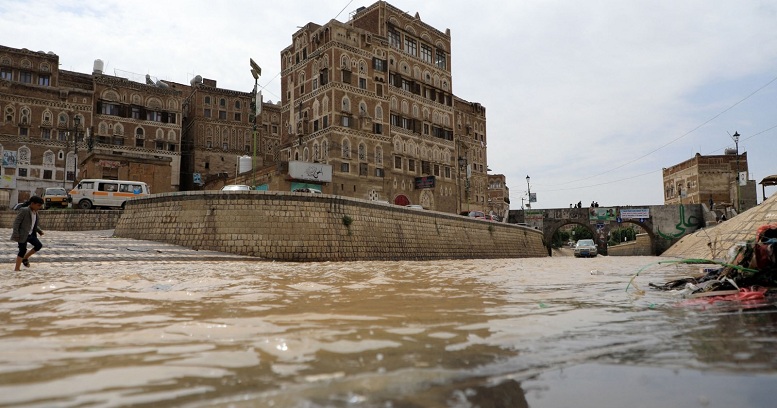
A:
(256, 107)
(77, 123)
(735, 136)
(528, 187)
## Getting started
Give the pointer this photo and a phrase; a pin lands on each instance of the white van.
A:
(106, 193)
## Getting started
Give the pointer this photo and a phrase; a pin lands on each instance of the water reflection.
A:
(401, 334)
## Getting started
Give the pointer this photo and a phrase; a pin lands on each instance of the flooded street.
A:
(551, 332)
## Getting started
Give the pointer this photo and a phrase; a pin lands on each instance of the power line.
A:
(645, 174)
(675, 139)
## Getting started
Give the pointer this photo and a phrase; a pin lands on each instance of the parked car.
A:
(477, 214)
(21, 205)
(416, 206)
(236, 187)
(306, 190)
(55, 197)
(585, 248)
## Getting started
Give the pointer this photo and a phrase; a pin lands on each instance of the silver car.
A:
(585, 248)
(236, 187)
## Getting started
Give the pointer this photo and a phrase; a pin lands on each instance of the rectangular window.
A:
(315, 125)
(238, 117)
(426, 53)
(23, 131)
(25, 77)
(223, 115)
(345, 167)
(410, 46)
(426, 167)
(437, 170)
(109, 109)
(407, 85)
(379, 64)
(411, 165)
(442, 60)
(140, 143)
(346, 121)
(225, 146)
(346, 77)
(48, 175)
(159, 145)
(379, 89)
(22, 172)
(275, 129)
(6, 73)
(447, 172)
(154, 116)
(378, 172)
(397, 162)
(45, 134)
(44, 80)
(171, 147)
(363, 169)
(363, 83)
(378, 128)
(135, 113)
(206, 113)
(394, 39)
(325, 121)
(62, 136)
(315, 84)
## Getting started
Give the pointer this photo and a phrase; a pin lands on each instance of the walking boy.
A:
(25, 230)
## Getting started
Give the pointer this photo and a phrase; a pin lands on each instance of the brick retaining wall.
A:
(303, 227)
(69, 219)
(640, 247)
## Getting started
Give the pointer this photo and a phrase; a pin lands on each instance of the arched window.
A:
(379, 155)
(362, 152)
(346, 149)
(346, 104)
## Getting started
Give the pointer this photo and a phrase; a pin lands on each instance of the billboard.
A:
(319, 172)
(602, 214)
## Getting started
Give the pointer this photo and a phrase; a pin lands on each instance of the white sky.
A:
(590, 98)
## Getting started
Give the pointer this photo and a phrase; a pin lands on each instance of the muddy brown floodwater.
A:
(552, 332)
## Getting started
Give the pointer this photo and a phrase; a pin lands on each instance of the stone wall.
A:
(640, 247)
(69, 220)
(303, 227)
(715, 242)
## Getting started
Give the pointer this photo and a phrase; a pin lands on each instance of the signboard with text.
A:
(633, 213)
(424, 182)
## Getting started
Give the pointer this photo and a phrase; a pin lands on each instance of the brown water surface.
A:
(551, 332)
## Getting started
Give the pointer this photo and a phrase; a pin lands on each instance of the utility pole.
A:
(256, 109)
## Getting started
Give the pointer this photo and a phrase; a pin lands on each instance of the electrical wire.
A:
(675, 139)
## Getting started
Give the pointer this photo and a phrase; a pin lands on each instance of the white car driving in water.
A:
(585, 248)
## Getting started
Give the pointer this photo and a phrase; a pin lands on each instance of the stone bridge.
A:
(665, 224)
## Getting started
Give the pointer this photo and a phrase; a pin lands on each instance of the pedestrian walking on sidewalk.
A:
(25, 230)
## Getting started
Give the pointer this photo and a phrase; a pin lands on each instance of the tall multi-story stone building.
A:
(219, 137)
(372, 99)
(704, 178)
(59, 126)
(498, 195)
(41, 107)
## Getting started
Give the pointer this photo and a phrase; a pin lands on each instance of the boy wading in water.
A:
(25, 230)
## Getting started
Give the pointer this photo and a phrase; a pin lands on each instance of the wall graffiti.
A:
(682, 227)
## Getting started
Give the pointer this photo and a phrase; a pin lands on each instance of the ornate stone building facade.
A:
(218, 134)
(59, 126)
(704, 178)
(40, 107)
(373, 98)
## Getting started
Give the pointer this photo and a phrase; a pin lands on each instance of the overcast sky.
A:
(589, 98)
